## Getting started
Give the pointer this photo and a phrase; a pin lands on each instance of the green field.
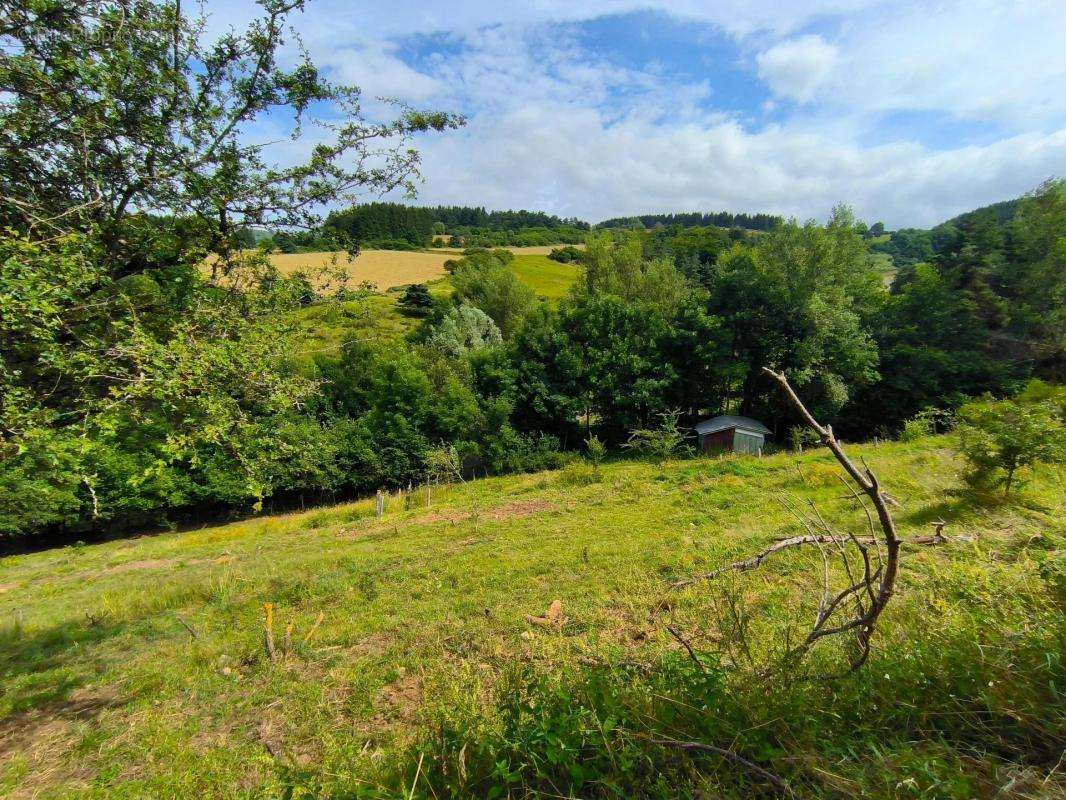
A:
(549, 279)
(138, 668)
(324, 328)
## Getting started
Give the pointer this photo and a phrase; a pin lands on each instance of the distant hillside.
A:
(697, 219)
(1004, 212)
(912, 245)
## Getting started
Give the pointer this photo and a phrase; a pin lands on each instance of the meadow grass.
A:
(549, 279)
(406, 665)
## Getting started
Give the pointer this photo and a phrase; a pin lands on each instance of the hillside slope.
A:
(138, 668)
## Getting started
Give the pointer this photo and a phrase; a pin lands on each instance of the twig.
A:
(777, 782)
(187, 626)
(318, 621)
(688, 648)
(268, 635)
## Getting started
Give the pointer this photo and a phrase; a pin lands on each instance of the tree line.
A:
(693, 219)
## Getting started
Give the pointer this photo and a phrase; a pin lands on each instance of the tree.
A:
(1035, 279)
(1001, 438)
(131, 386)
(485, 281)
(463, 329)
(615, 265)
(116, 106)
(801, 297)
(599, 361)
(416, 300)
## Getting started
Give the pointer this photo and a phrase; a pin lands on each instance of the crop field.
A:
(383, 268)
(336, 654)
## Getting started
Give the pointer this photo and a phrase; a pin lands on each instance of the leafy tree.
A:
(566, 255)
(113, 106)
(131, 387)
(800, 299)
(1001, 438)
(600, 362)
(485, 281)
(463, 329)
(616, 265)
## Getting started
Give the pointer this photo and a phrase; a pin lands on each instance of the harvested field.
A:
(384, 268)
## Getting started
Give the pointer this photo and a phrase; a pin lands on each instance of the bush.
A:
(1000, 439)
(565, 255)
(416, 300)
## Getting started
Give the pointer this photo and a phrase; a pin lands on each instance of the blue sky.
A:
(909, 111)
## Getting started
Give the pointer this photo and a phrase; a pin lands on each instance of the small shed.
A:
(730, 433)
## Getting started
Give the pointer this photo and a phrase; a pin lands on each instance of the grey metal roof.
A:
(728, 421)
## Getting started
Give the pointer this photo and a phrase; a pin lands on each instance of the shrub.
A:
(1000, 439)
(416, 300)
(565, 255)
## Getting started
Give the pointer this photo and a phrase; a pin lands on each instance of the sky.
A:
(909, 111)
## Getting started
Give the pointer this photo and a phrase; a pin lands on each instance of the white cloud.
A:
(583, 166)
(796, 68)
(557, 127)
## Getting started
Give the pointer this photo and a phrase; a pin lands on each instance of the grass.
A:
(137, 668)
(549, 279)
(324, 328)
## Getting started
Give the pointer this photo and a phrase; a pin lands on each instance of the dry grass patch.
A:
(384, 268)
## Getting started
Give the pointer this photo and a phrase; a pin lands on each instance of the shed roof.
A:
(729, 421)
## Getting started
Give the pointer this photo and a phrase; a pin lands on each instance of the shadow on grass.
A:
(48, 667)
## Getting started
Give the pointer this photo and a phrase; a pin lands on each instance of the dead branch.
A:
(870, 581)
(780, 784)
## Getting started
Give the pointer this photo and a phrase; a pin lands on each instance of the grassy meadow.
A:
(405, 663)
(324, 328)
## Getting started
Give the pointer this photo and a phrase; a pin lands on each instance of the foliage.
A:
(115, 105)
(720, 219)
(566, 255)
(798, 298)
(133, 388)
(377, 224)
(463, 329)
(1001, 438)
(658, 443)
(595, 451)
(416, 300)
(615, 265)
(484, 280)
(600, 360)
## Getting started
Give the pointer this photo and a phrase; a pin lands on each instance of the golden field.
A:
(383, 268)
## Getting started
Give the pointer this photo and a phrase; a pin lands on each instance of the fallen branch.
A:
(777, 782)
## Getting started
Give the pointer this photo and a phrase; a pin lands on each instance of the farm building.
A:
(729, 433)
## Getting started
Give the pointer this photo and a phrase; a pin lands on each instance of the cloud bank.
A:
(909, 112)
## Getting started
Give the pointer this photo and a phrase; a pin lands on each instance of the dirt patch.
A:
(521, 508)
(403, 696)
